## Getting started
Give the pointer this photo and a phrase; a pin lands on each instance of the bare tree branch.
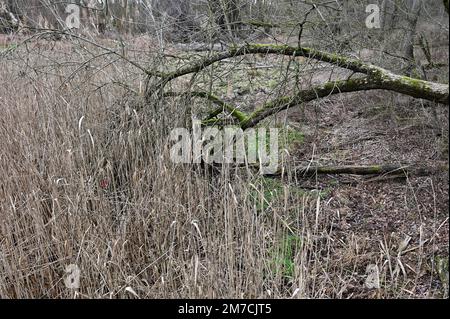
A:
(377, 77)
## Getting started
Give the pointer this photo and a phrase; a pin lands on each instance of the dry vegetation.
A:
(86, 179)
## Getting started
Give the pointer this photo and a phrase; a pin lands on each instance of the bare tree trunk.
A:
(415, 7)
(227, 15)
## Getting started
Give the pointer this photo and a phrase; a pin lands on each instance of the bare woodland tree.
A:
(322, 20)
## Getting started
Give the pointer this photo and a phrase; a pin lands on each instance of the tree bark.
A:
(227, 15)
(412, 19)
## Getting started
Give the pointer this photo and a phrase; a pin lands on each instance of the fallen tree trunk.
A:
(377, 77)
(401, 170)
(387, 81)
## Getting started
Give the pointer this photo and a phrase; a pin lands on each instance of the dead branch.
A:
(388, 169)
(377, 77)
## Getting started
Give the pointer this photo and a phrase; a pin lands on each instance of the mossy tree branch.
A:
(376, 78)
(385, 81)
(338, 60)
(223, 106)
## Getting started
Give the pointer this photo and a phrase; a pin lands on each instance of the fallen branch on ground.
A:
(390, 169)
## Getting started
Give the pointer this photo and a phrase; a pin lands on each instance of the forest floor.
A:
(404, 222)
